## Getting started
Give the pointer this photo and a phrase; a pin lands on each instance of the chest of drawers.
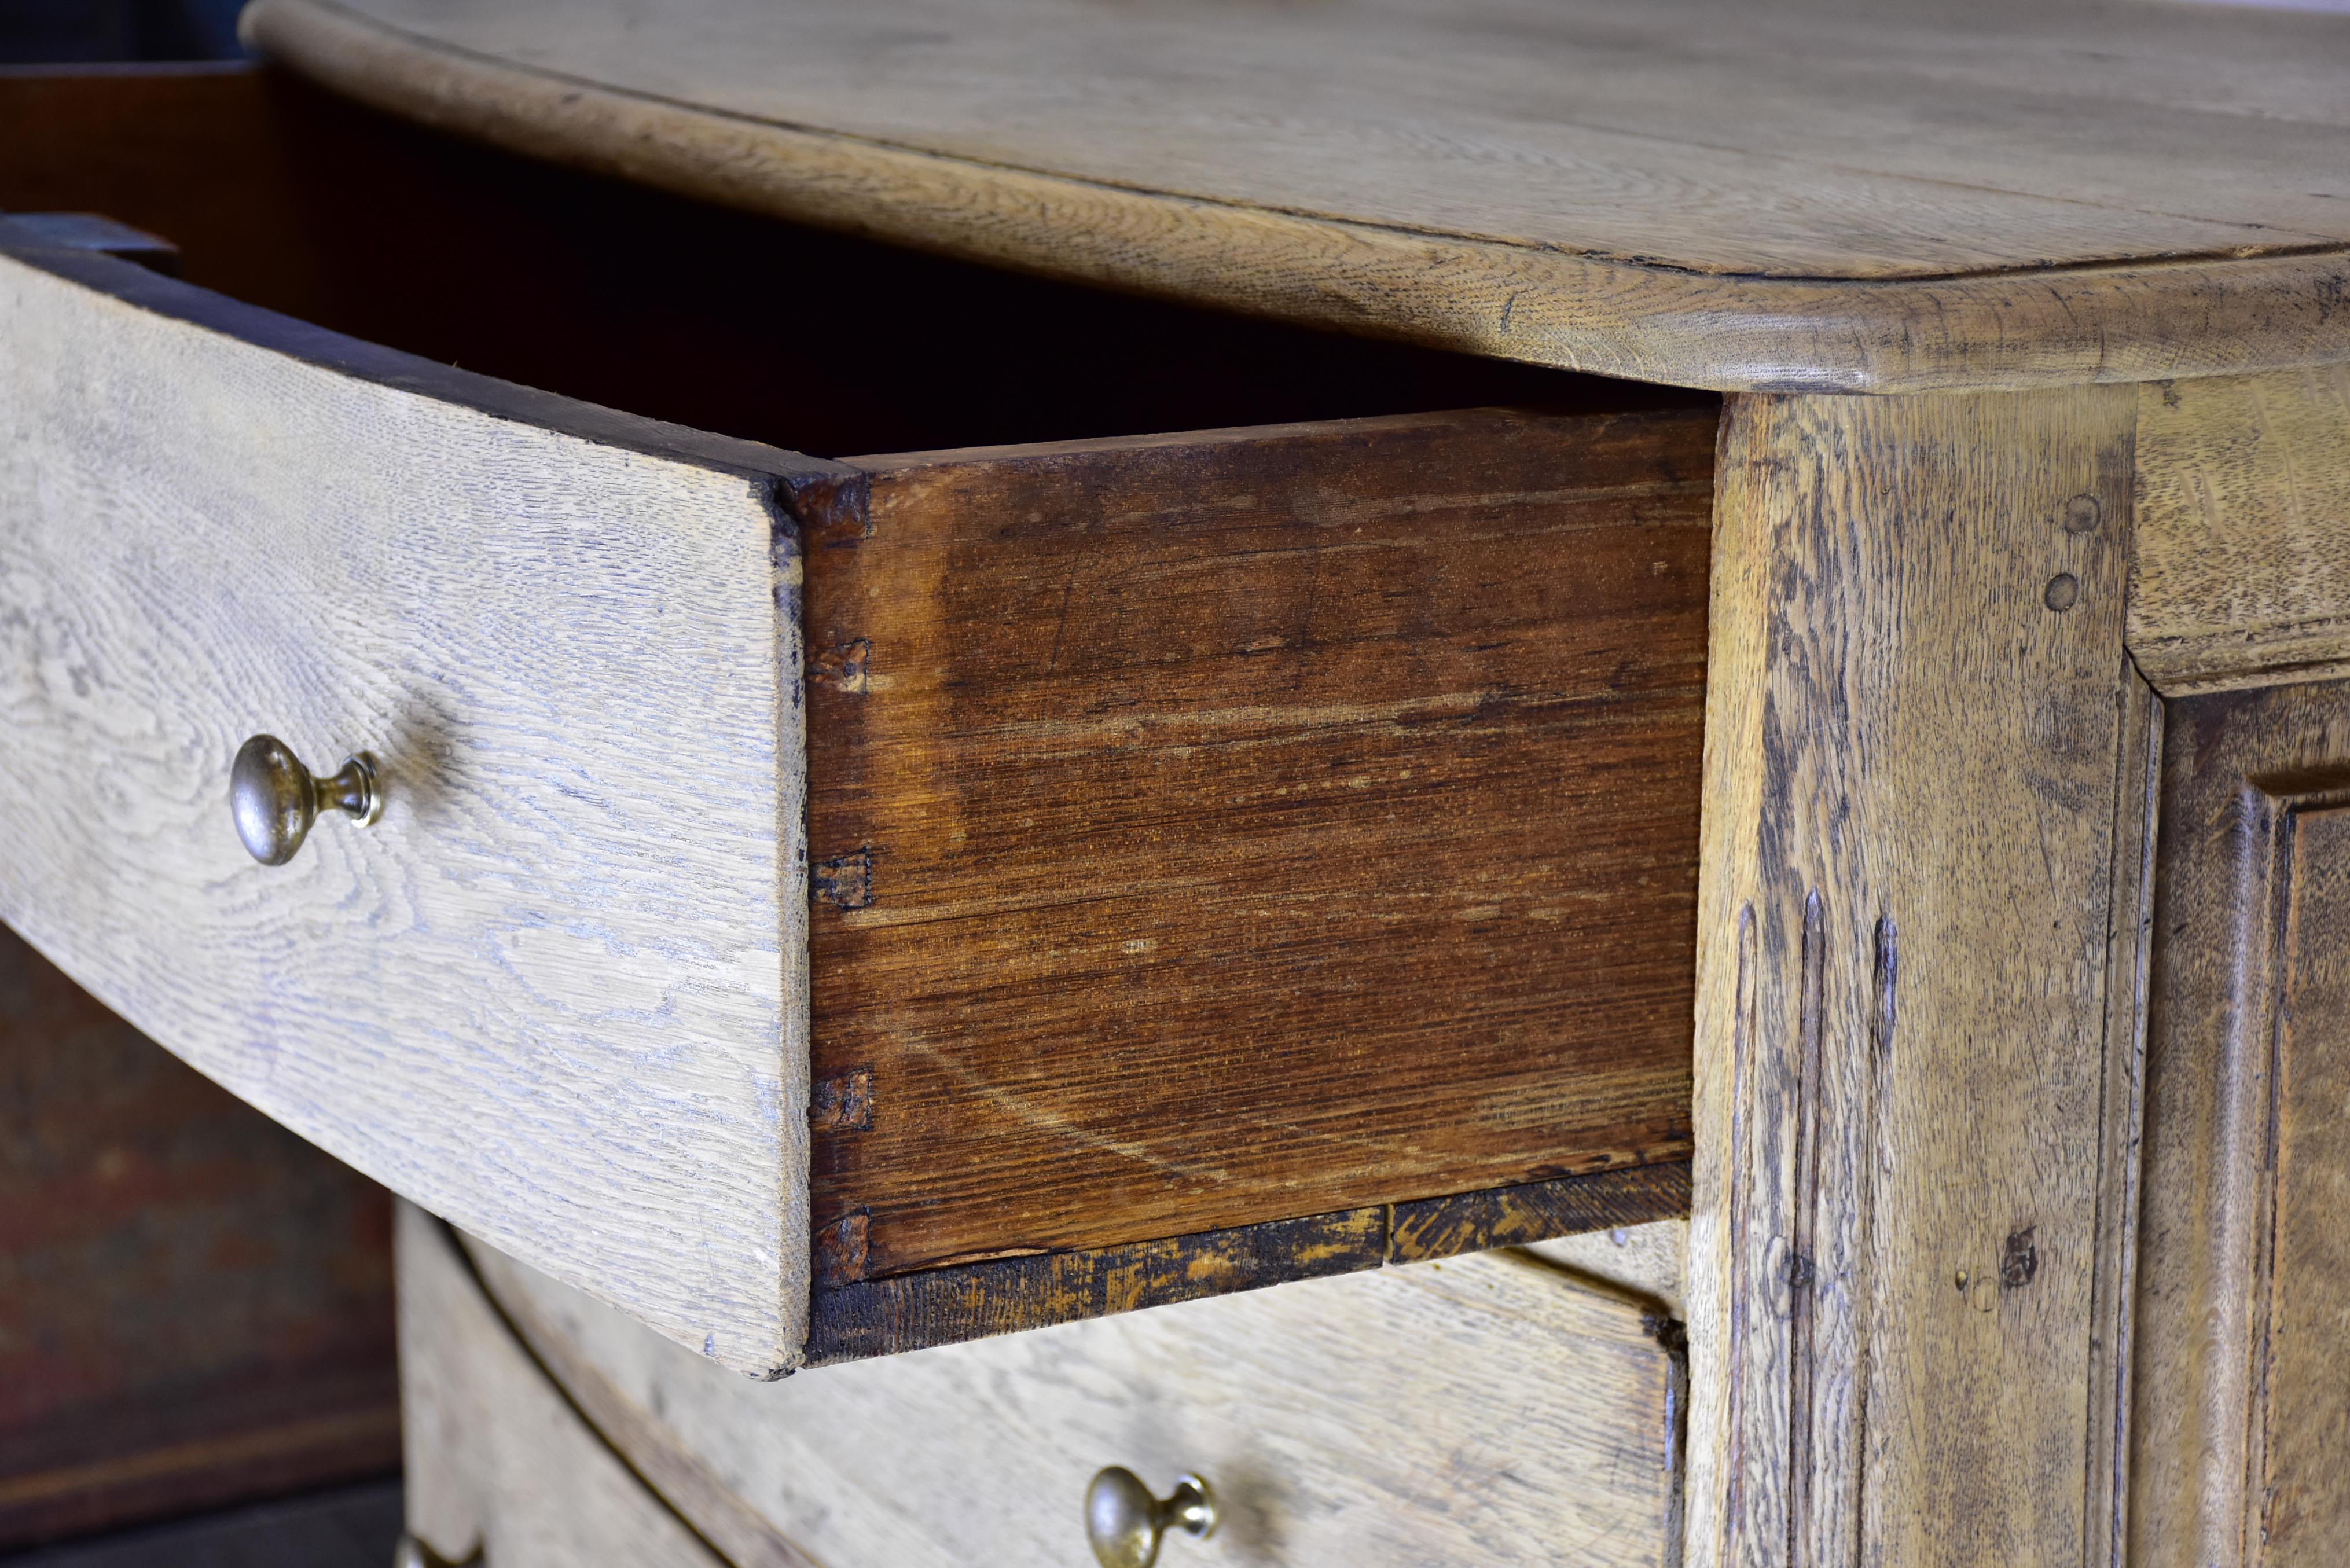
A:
(1221, 804)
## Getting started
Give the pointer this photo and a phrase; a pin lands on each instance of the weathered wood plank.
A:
(1913, 747)
(948, 1304)
(556, 991)
(2242, 576)
(1698, 134)
(1802, 196)
(1648, 1260)
(500, 1467)
(2238, 1399)
(854, 1320)
(1536, 1211)
(2305, 1487)
(1481, 1410)
(2137, 799)
(1212, 829)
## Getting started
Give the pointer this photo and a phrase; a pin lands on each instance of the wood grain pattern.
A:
(195, 1305)
(2243, 1290)
(2129, 968)
(501, 1468)
(951, 1303)
(1481, 1410)
(1535, 1211)
(2305, 1494)
(1824, 196)
(2242, 576)
(857, 1319)
(1213, 830)
(1651, 1260)
(556, 991)
(1912, 758)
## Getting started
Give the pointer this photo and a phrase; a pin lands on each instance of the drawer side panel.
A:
(1237, 826)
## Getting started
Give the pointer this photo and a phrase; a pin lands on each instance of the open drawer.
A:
(828, 907)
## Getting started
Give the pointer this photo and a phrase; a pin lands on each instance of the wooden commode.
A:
(1149, 735)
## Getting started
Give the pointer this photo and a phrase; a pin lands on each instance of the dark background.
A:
(85, 31)
(168, 1257)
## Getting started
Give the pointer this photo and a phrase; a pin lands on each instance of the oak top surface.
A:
(1704, 150)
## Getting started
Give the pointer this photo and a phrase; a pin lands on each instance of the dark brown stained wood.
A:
(1213, 830)
(195, 1305)
(856, 1320)
(2242, 1402)
(1536, 1211)
(948, 1305)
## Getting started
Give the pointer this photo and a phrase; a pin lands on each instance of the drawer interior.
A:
(285, 196)
(1236, 855)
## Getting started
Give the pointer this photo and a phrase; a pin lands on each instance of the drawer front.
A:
(555, 991)
(1485, 1411)
(500, 1469)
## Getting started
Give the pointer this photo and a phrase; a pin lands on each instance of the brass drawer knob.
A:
(1124, 1521)
(275, 799)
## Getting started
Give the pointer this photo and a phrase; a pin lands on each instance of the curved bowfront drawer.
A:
(555, 990)
(499, 1466)
(1491, 1410)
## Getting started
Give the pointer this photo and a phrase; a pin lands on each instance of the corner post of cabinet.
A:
(1916, 723)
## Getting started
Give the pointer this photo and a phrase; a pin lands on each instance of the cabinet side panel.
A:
(1913, 748)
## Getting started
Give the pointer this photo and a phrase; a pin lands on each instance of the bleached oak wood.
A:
(1824, 195)
(1912, 755)
(1484, 1409)
(499, 1469)
(1651, 1260)
(2243, 1295)
(2112, 1322)
(2242, 576)
(558, 992)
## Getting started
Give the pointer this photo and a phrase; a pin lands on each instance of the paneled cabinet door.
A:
(2241, 1392)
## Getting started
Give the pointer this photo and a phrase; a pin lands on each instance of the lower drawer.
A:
(1492, 1410)
(499, 1469)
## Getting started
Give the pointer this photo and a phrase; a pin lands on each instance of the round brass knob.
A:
(275, 799)
(1124, 1521)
